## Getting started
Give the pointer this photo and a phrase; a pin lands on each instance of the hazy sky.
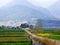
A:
(40, 3)
(37, 3)
(4, 2)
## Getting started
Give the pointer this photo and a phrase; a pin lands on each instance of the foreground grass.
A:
(51, 33)
(51, 36)
(24, 43)
(13, 37)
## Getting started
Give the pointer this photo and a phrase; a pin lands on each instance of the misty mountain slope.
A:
(50, 23)
(55, 9)
(21, 12)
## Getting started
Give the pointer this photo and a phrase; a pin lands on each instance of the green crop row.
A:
(21, 43)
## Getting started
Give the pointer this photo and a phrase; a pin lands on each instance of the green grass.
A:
(54, 32)
(21, 43)
(54, 37)
(13, 37)
(51, 36)
(12, 32)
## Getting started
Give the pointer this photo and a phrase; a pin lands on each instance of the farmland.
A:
(48, 33)
(51, 33)
(13, 37)
(20, 37)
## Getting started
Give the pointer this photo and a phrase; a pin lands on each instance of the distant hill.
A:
(55, 9)
(50, 23)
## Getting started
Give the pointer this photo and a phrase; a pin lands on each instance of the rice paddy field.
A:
(50, 33)
(13, 37)
(20, 37)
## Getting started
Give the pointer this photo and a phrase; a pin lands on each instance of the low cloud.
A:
(12, 23)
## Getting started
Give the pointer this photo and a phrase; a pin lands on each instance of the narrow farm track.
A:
(37, 40)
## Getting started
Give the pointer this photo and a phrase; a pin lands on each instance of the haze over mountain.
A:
(50, 23)
(55, 10)
(23, 11)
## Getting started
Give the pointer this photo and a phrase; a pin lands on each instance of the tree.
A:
(25, 25)
(18, 27)
(3, 27)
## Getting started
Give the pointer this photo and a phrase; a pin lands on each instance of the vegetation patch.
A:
(50, 33)
(13, 37)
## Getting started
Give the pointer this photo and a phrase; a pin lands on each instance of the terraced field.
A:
(48, 33)
(13, 37)
(52, 33)
(51, 36)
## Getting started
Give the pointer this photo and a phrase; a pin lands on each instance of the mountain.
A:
(55, 10)
(50, 23)
(22, 10)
